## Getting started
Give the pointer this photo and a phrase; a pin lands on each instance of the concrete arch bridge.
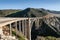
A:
(23, 25)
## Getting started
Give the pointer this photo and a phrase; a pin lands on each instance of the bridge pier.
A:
(29, 29)
(19, 26)
(16, 27)
(23, 27)
(37, 23)
(10, 29)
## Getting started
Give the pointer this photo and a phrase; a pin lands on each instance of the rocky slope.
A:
(53, 23)
(50, 26)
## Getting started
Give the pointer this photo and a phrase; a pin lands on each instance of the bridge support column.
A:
(29, 29)
(37, 23)
(16, 27)
(23, 27)
(19, 26)
(10, 29)
(25, 32)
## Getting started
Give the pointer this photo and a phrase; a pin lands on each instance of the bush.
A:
(50, 38)
(19, 37)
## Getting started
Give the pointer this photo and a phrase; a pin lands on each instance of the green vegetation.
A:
(50, 38)
(29, 12)
(20, 37)
(7, 12)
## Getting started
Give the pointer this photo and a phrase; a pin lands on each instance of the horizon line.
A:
(26, 8)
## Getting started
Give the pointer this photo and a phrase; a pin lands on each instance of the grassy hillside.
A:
(29, 12)
(20, 37)
(7, 12)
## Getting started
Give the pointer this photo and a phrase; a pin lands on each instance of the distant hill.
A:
(29, 12)
(7, 12)
(32, 12)
(51, 11)
(56, 12)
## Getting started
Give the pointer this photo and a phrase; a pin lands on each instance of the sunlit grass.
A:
(20, 37)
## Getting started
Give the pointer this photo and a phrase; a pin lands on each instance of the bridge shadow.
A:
(34, 32)
(43, 30)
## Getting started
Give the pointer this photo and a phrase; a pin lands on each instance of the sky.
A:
(22, 4)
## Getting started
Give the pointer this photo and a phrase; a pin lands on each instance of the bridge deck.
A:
(4, 21)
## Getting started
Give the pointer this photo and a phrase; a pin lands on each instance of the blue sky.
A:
(22, 4)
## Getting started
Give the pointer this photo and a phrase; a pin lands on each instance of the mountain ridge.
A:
(29, 12)
(6, 12)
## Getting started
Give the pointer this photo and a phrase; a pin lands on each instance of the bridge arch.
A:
(23, 25)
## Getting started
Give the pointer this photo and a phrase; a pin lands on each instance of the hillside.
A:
(50, 11)
(7, 12)
(29, 12)
(32, 12)
(49, 26)
(56, 12)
